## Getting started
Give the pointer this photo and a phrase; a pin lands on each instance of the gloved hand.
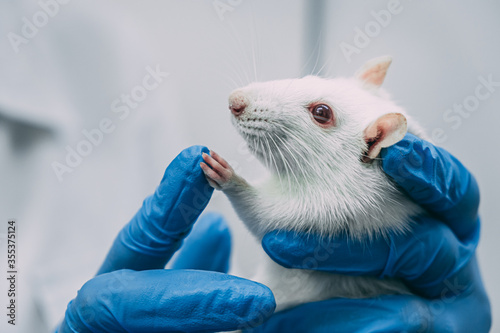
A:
(133, 293)
(436, 260)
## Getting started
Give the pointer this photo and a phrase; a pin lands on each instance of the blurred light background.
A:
(63, 77)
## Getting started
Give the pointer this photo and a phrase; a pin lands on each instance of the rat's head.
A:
(311, 128)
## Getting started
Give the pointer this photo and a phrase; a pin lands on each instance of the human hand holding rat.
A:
(437, 260)
(133, 293)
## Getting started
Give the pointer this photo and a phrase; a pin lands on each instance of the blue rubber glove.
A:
(436, 260)
(133, 293)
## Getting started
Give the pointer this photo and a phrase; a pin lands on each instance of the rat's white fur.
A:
(319, 183)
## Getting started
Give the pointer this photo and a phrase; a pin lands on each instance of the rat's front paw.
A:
(219, 173)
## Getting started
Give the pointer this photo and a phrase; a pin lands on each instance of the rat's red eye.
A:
(322, 113)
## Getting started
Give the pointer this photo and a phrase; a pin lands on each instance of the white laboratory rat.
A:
(320, 139)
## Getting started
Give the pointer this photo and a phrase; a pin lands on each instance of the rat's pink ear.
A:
(384, 132)
(373, 72)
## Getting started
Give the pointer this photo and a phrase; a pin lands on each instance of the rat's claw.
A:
(225, 172)
(217, 170)
(211, 174)
(213, 183)
(219, 173)
(213, 163)
(219, 159)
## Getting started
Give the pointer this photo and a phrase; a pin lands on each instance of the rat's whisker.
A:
(292, 155)
(285, 164)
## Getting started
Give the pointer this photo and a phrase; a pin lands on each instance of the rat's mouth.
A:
(254, 138)
(251, 124)
(252, 128)
(254, 132)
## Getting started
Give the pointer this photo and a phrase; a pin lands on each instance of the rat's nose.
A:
(237, 103)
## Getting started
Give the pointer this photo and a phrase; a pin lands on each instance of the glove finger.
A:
(150, 239)
(425, 259)
(436, 180)
(401, 313)
(167, 301)
(208, 246)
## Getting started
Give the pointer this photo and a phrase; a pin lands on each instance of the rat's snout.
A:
(237, 103)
